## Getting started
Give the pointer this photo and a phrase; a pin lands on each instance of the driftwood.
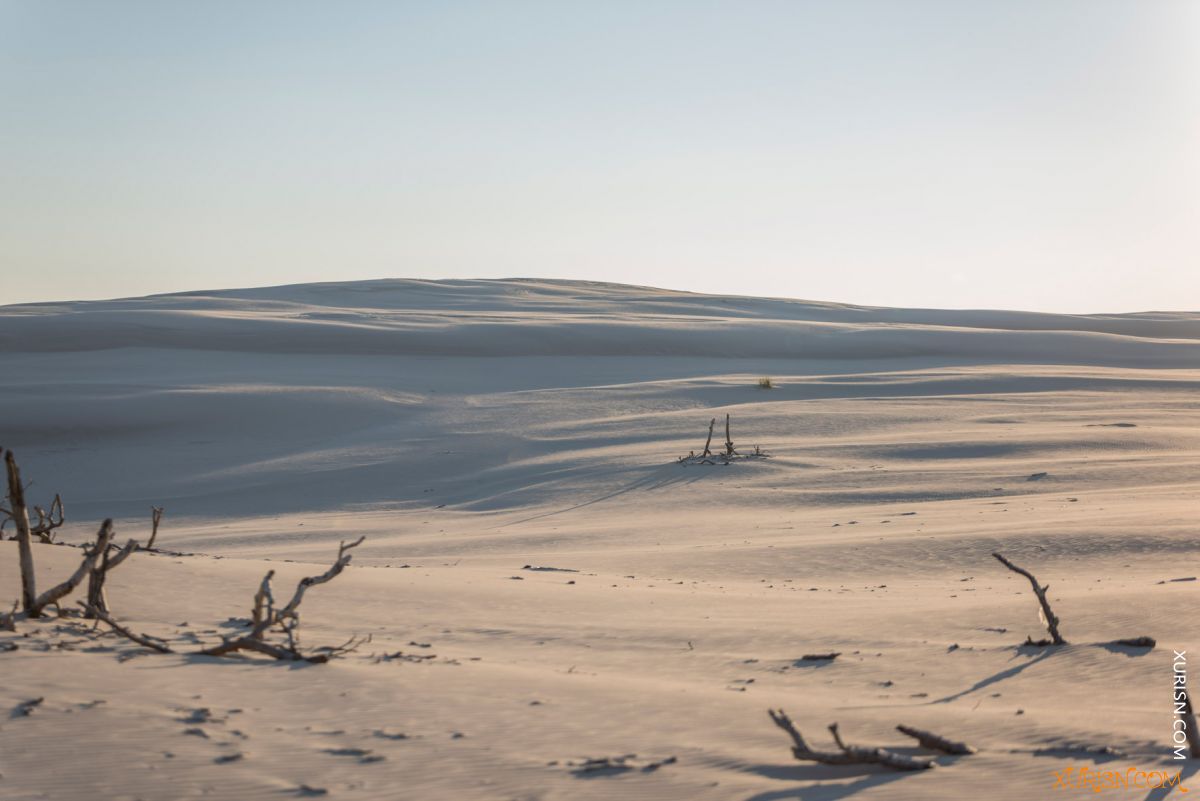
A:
(265, 617)
(48, 520)
(264, 604)
(90, 556)
(97, 560)
(847, 754)
(18, 510)
(156, 513)
(96, 600)
(935, 742)
(145, 640)
(1136, 642)
(19, 514)
(730, 453)
(1040, 592)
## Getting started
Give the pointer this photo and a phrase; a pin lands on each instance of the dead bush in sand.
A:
(101, 556)
(765, 383)
(728, 455)
(859, 755)
(265, 618)
(1051, 620)
(96, 560)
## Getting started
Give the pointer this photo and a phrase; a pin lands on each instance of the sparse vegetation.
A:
(103, 555)
(730, 454)
(766, 383)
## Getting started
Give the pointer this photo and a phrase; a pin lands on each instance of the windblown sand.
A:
(475, 430)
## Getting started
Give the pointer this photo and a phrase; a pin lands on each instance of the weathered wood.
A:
(91, 556)
(156, 513)
(264, 604)
(141, 639)
(708, 442)
(848, 754)
(287, 617)
(880, 756)
(936, 742)
(48, 520)
(20, 517)
(96, 598)
(729, 451)
(1040, 592)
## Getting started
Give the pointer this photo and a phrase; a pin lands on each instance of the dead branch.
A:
(144, 640)
(91, 555)
(20, 517)
(156, 513)
(847, 754)
(1040, 592)
(265, 617)
(935, 742)
(729, 455)
(96, 599)
(1136, 642)
(286, 618)
(349, 646)
(48, 520)
(880, 755)
(264, 604)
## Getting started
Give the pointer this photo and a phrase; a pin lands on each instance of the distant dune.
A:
(572, 318)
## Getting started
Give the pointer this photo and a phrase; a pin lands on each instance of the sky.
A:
(1028, 154)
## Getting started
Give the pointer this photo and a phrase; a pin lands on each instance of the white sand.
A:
(469, 428)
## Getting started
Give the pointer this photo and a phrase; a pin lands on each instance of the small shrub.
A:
(765, 383)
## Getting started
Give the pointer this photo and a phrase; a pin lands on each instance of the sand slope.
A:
(470, 428)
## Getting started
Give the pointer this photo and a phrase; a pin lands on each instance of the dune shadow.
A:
(1128, 650)
(659, 478)
(249, 661)
(862, 777)
(996, 678)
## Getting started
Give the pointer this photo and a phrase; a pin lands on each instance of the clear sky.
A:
(1035, 154)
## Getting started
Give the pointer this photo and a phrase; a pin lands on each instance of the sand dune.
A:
(471, 428)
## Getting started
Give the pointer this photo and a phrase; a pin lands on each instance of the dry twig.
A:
(1040, 591)
(847, 754)
(935, 742)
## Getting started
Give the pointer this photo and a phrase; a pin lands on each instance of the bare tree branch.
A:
(935, 742)
(145, 640)
(48, 520)
(52, 595)
(1040, 592)
(156, 513)
(264, 604)
(287, 618)
(20, 518)
(96, 599)
(847, 754)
